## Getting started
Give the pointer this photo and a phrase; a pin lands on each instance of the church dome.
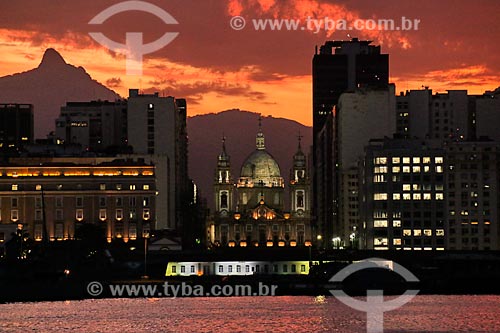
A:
(260, 168)
(260, 165)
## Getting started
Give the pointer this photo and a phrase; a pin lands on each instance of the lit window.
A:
(381, 160)
(406, 196)
(438, 160)
(38, 187)
(439, 232)
(396, 241)
(406, 169)
(396, 169)
(417, 232)
(416, 160)
(380, 242)
(132, 187)
(416, 168)
(427, 196)
(428, 232)
(396, 196)
(406, 187)
(14, 215)
(379, 179)
(417, 196)
(145, 187)
(407, 232)
(380, 196)
(102, 187)
(380, 224)
(102, 214)
(14, 187)
(119, 187)
(146, 214)
(132, 231)
(439, 196)
(396, 223)
(119, 214)
(427, 168)
(380, 169)
(406, 160)
(396, 160)
(426, 160)
(79, 215)
(439, 168)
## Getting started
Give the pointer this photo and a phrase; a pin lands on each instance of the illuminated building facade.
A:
(54, 196)
(403, 196)
(252, 212)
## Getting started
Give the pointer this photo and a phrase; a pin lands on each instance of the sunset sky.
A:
(218, 68)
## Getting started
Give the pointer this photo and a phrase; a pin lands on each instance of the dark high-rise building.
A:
(16, 127)
(338, 67)
(342, 66)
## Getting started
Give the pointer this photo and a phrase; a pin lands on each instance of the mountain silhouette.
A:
(50, 86)
(240, 128)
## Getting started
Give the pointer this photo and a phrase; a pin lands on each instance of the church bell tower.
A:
(223, 185)
(299, 184)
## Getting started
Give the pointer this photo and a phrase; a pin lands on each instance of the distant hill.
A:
(240, 128)
(50, 86)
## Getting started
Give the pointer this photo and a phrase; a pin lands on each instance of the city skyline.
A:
(266, 71)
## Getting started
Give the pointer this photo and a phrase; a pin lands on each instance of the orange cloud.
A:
(476, 79)
(320, 11)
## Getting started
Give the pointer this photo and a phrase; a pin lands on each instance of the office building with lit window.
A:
(157, 132)
(442, 116)
(16, 128)
(98, 126)
(402, 196)
(361, 115)
(52, 196)
(337, 67)
(472, 195)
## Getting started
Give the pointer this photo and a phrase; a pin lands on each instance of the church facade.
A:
(251, 212)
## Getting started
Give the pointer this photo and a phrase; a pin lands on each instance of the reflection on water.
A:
(248, 314)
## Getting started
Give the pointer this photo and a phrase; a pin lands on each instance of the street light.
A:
(145, 235)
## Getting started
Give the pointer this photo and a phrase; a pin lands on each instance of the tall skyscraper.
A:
(338, 67)
(342, 66)
(157, 130)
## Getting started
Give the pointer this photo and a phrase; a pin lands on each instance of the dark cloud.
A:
(114, 82)
(195, 91)
(452, 32)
